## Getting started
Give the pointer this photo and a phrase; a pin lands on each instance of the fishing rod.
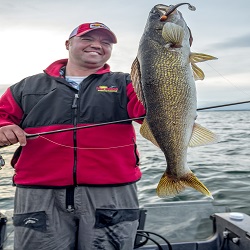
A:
(114, 122)
(77, 128)
(85, 126)
(223, 105)
(119, 121)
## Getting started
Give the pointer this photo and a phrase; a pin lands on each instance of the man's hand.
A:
(12, 134)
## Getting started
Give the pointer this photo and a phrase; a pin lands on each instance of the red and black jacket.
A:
(101, 155)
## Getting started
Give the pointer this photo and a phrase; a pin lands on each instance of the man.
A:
(75, 189)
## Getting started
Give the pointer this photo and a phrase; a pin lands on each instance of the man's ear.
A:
(67, 44)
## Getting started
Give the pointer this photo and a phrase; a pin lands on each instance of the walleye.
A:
(163, 75)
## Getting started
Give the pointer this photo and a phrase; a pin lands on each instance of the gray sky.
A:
(33, 34)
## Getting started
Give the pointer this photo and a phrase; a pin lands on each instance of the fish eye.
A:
(162, 8)
(155, 14)
(154, 11)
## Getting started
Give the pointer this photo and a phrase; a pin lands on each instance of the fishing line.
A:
(66, 146)
(77, 128)
(235, 86)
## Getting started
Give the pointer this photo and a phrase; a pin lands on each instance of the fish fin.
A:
(199, 57)
(145, 131)
(136, 80)
(173, 34)
(169, 186)
(202, 136)
(197, 72)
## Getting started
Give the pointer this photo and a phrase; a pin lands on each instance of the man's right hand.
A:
(12, 134)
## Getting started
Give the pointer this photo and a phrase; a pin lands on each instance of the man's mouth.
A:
(93, 52)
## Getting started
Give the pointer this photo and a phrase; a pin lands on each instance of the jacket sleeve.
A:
(135, 108)
(10, 112)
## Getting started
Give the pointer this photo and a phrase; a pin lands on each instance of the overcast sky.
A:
(33, 33)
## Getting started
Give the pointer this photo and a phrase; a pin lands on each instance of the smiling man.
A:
(75, 189)
(89, 51)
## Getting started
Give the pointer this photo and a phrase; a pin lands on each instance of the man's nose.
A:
(96, 44)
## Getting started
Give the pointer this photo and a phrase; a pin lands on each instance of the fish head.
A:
(166, 25)
(154, 26)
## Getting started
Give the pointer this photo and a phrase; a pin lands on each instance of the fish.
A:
(163, 76)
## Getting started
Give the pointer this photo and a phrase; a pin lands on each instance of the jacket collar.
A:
(54, 68)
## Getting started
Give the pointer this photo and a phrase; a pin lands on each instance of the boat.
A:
(192, 225)
(177, 225)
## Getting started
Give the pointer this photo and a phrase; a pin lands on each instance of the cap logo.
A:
(98, 25)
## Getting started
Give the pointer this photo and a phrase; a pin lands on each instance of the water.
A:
(223, 167)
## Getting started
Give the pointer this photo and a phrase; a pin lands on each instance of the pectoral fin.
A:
(197, 72)
(173, 34)
(202, 136)
(199, 57)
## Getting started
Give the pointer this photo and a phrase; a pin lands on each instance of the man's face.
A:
(91, 50)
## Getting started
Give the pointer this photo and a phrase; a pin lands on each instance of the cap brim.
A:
(108, 32)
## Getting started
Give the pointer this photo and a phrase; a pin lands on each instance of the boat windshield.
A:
(182, 221)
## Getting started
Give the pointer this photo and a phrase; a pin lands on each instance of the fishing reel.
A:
(2, 162)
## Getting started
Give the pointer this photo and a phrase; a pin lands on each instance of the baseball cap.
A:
(87, 27)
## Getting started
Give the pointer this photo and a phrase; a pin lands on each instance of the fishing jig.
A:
(173, 8)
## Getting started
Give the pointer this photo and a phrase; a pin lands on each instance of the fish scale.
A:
(163, 78)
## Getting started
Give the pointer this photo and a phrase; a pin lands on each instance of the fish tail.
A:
(170, 186)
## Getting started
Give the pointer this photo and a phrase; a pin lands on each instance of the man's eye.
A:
(106, 42)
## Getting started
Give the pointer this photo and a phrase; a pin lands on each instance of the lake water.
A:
(223, 167)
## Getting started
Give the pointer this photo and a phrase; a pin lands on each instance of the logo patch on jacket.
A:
(107, 89)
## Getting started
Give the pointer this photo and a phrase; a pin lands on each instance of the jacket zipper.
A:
(75, 106)
(137, 159)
